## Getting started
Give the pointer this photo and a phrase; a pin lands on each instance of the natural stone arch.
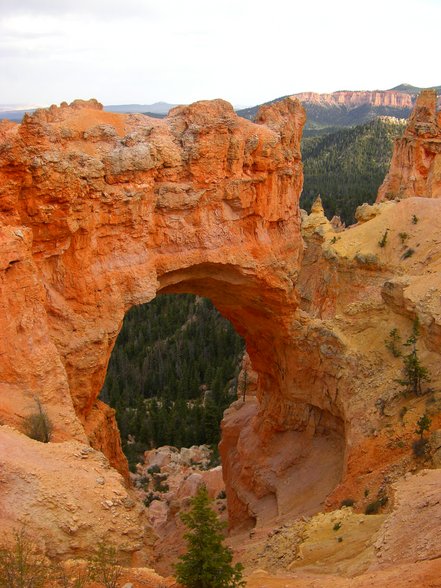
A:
(102, 211)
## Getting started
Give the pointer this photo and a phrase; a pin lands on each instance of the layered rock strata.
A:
(357, 98)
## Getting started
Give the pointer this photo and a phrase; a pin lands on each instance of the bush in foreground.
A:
(22, 566)
(37, 425)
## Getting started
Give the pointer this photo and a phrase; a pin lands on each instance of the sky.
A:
(180, 51)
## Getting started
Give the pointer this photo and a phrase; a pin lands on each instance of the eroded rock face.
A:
(103, 211)
(415, 169)
(67, 497)
(376, 98)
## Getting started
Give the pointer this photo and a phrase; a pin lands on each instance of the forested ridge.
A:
(347, 167)
(172, 373)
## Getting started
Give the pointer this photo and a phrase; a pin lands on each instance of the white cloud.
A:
(245, 51)
(100, 8)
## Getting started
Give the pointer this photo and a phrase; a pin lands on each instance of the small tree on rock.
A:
(420, 445)
(207, 563)
(393, 343)
(414, 372)
(104, 567)
(423, 425)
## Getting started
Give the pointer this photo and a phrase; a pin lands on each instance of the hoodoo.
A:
(416, 163)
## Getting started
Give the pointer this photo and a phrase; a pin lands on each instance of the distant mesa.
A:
(347, 108)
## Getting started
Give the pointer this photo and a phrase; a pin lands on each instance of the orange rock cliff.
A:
(100, 212)
(416, 163)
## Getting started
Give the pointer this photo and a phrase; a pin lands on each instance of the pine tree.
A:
(393, 343)
(207, 563)
(423, 425)
(414, 372)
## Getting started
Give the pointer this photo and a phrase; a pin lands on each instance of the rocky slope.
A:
(166, 481)
(100, 212)
(68, 496)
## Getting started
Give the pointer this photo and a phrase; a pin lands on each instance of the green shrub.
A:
(160, 487)
(408, 253)
(423, 425)
(419, 447)
(154, 469)
(103, 566)
(393, 343)
(142, 482)
(374, 507)
(337, 526)
(383, 240)
(149, 499)
(22, 566)
(158, 484)
(413, 371)
(403, 237)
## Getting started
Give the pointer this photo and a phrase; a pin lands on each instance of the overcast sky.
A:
(179, 51)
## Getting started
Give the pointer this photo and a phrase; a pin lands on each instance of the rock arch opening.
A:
(172, 373)
(283, 450)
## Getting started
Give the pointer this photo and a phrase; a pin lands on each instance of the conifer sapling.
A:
(207, 563)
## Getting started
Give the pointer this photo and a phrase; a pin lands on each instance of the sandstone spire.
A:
(415, 168)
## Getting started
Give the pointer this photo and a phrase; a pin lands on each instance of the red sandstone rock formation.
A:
(100, 212)
(416, 163)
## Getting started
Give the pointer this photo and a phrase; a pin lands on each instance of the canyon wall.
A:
(352, 99)
(102, 211)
